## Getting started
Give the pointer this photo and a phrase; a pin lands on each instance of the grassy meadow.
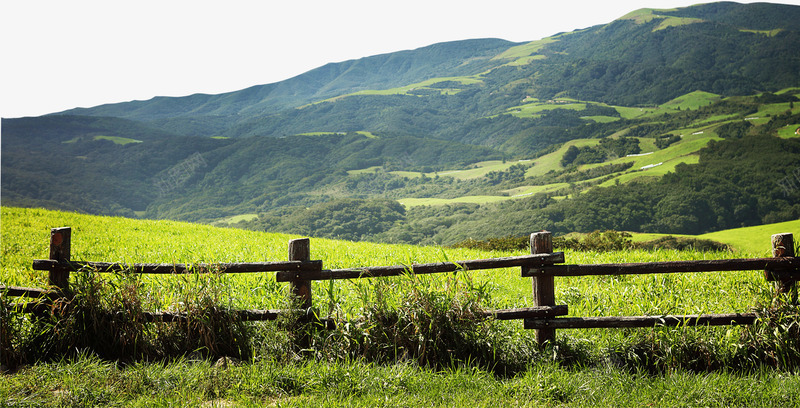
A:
(622, 367)
(25, 234)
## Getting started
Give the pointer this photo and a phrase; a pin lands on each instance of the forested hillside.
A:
(732, 186)
(659, 121)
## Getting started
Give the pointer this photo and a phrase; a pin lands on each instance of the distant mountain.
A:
(646, 57)
(387, 126)
(384, 71)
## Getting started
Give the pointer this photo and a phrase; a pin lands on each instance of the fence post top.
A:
(541, 242)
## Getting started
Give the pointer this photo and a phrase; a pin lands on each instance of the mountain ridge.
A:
(332, 79)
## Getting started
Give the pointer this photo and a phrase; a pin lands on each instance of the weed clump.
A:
(774, 340)
(107, 318)
(206, 326)
(432, 322)
(11, 324)
(103, 318)
(662, 350)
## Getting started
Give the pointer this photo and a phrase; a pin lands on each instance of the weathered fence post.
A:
(60, 240)
(544, 285)
(782, 246)
(300, 250)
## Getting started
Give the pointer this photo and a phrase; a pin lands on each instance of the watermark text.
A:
(790, 183)
(179, 174)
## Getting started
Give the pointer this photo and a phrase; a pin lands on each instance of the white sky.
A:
(61, 54)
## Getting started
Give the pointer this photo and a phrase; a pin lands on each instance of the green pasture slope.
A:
(25, 234)
(115, 139)
(746, 241)
(651, 163)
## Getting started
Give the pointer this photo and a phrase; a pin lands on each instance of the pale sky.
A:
(58, 55)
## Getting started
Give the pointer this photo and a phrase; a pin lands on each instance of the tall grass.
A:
(396, 340)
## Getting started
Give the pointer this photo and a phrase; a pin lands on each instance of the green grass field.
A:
(25, 235)
(549, 379)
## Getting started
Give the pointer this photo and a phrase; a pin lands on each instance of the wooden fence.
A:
(542, 265)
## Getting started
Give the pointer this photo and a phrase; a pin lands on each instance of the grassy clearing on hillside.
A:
(692, 100)
(767, 111)
(525, 50)
(478, 199)
(235, 218)
(601, 119)
(552, 161)
(789, 131)
(475, 170)
(768, 33)
(676, 21)
(534, 110)
(644, 15)
(657, 170)
(530, 190)
(632, 113)
(116, 139)
(408, 89)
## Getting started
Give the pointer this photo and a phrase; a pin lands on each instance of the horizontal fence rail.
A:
(152, 268)
(17, 291)
(419, 269)
(542, 266)
(243, 315)
(785, 266)
(600, 322)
